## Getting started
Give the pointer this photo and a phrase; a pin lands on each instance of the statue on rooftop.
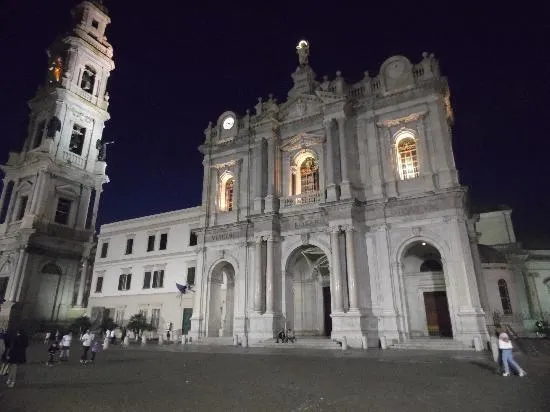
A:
(303, 52)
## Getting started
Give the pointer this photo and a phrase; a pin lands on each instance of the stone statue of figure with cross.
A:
(303, 52)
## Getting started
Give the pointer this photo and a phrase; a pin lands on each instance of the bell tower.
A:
(52, 187)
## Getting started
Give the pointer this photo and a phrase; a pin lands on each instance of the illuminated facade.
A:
(52, 187)
(339, 213)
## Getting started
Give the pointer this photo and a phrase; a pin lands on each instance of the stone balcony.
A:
(302, 199)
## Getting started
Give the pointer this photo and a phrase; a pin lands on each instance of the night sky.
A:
(181, 64)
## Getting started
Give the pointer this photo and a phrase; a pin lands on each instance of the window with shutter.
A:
(147, 280)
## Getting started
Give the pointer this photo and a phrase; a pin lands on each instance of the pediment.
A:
(67, 190)
(302, 141)
(299, 106)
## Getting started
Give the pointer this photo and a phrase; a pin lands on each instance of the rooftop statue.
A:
(303, 52)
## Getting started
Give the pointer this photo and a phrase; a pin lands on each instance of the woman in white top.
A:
(505, 346)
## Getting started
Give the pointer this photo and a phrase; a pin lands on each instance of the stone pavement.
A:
(199, 378)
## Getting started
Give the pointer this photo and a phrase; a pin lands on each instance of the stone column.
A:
(269, 278)
(259, 171)
(345, 190)
(336, 270)
(98, 191)
(269, 200)
(3, 194)
(83, 208)
(352, 273)
(331, 187)
(259, 284)
(371, 135)
(82, 284)
(17, 273)
(533, 293)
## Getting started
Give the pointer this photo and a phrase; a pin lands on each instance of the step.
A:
(312, 343)
(431, 344)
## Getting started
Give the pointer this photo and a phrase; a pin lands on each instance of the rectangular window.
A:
(104, 249)
(155, 318)
(124, 281)
(143, 312)
(22, 207)
(192, 239)
(147, 280)
(99, 284)
(62, 211)
(163, 241)
(38, 134)
(77, 139)
(3, 286)
(151, 243)
(129, 246)
(95, 24)
(191, 276)
(158, 278)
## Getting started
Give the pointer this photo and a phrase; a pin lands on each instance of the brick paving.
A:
(202, 378)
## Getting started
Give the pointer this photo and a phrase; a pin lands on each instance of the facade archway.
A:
(49, 293)
(425, 291)
(221, 300)
(306, 289)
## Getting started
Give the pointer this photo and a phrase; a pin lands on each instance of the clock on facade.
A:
(228, 122)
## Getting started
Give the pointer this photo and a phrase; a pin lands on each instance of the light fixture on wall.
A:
(423, 243)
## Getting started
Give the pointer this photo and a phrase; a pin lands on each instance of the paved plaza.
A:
(203, 378)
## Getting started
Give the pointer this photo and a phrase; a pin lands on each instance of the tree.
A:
(81, 324)
(138, 323)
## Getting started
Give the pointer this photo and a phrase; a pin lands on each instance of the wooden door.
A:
(438, 318)
(327, 311)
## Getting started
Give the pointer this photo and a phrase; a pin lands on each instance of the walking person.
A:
(4, 347)
(52, 353)
(96, 347)
(47, 337)
(505, 345)
(17, 355)
(66, 341)
(86, 340)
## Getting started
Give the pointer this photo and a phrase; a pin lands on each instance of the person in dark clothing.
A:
(17, 355)
(5, 344)
(52, 353)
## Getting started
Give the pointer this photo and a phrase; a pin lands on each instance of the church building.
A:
(52, 187)
(336, 213)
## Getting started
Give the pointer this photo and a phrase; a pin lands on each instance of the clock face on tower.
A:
(228, 122)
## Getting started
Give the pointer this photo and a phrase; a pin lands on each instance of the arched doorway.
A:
(222, 300)
(307, 292)
(49, 293)
(426, 292)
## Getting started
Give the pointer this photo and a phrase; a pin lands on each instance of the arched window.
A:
(229, 185)
(504, 297)
(309, 175)
(226, 192)
(407, 158)
(88, 79)
(431, 265)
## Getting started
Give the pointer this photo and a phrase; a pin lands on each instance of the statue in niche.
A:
(303, 52)
(101, 147)
(56, 70)
(54, 125)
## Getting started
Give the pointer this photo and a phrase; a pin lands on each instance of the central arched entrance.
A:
(426, 292)
(307, 292)
(221, 300)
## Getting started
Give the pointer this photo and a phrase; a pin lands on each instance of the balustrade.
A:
(302, 199)
(73, 159)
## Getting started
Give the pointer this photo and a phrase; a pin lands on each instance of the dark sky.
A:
(181, 64)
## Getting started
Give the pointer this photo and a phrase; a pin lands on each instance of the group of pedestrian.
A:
(14, 353)
(60, 349)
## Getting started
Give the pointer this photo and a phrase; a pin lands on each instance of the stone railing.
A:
(301, 199)
(62, 231)
(73, 159)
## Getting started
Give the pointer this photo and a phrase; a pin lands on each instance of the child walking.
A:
(96, 347)
(52, 353)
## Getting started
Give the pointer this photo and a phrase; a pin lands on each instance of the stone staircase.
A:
(432, 344)
(214, 341)
(309, 342)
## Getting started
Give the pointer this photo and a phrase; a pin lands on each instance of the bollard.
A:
(143, 340)
(494, 348)
(364, 342)
(245, 341)
(235, 340)
(383, 342)
(105, 343)
(183, 339)
(126, 341)
(344, 343)
(161, 339)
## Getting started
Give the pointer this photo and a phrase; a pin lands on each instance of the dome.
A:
(488, 254)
